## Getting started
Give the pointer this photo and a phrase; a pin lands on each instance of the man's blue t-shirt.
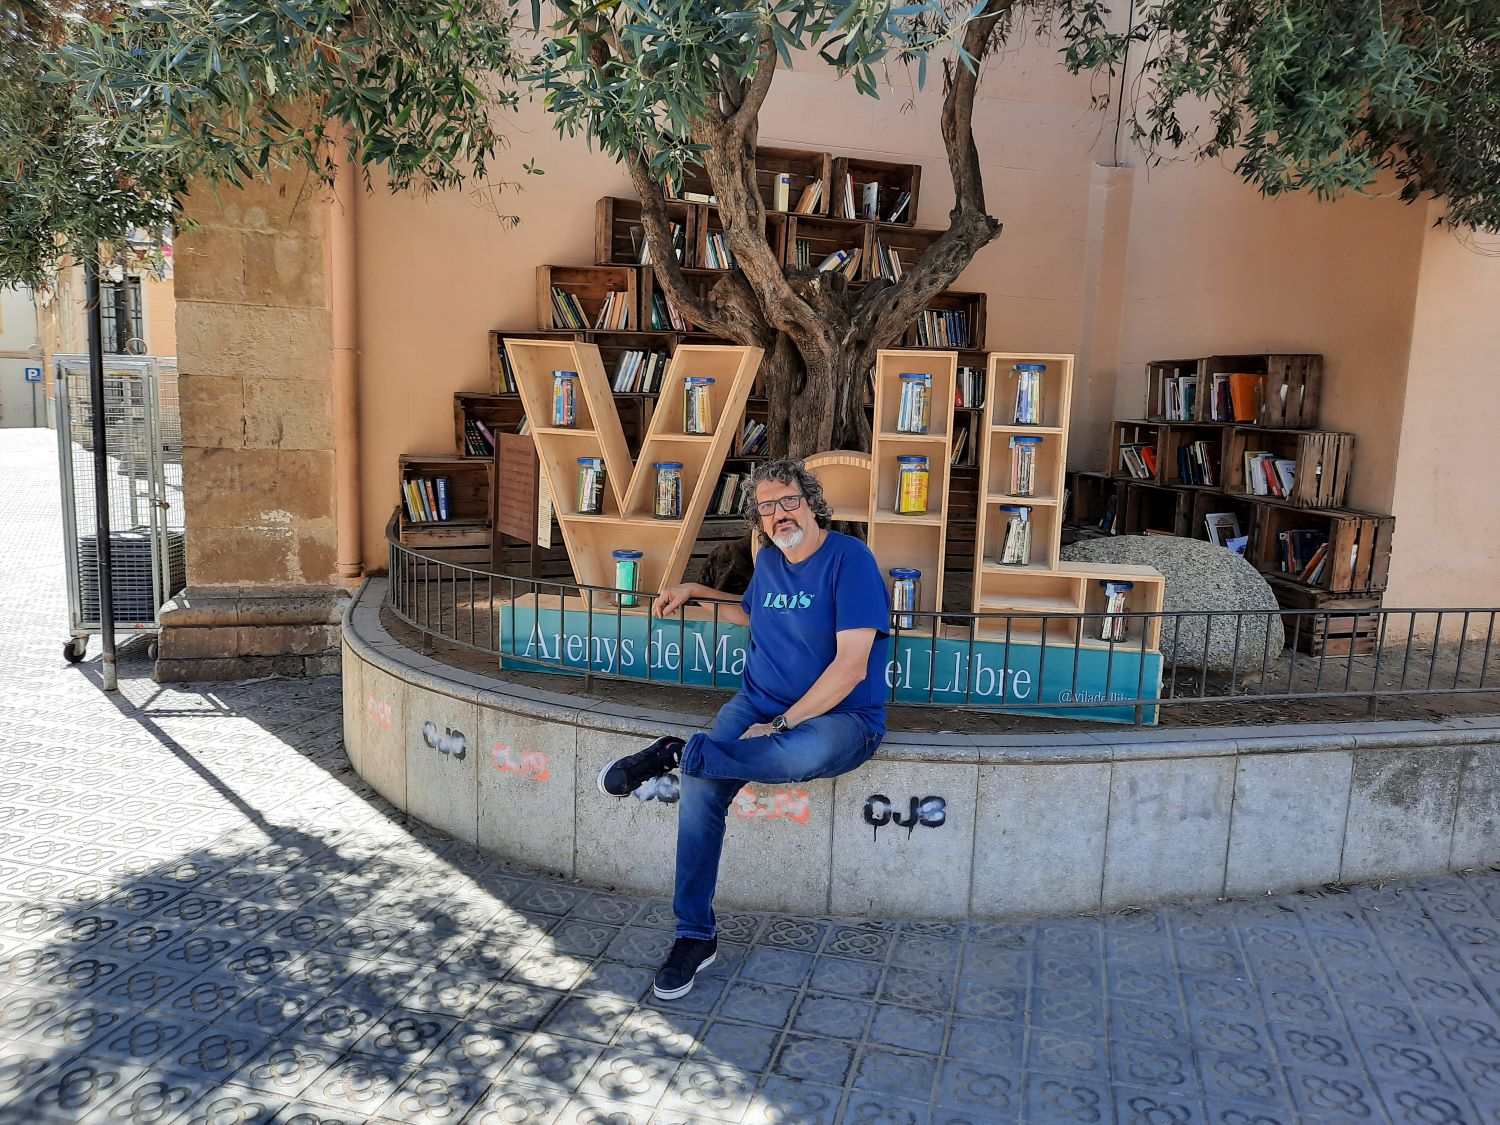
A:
(796, 610)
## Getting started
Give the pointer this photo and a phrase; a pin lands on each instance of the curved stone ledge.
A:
(1047, 823)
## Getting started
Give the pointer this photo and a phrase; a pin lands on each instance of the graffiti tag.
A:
(530, 764)
(449, 742)
(930, 812)
(783, 804)
(379, 711)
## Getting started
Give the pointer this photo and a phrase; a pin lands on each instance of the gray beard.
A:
(788, 540)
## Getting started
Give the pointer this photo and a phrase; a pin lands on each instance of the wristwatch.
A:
(779, 725)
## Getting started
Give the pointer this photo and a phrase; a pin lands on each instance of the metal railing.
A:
(1276, 658)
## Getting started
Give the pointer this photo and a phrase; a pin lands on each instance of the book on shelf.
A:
(478, 440)
(1110, 519)
(523, 427)
(664, 315)
(1179, 394)
(803, 257)
(781, 192)
(700, 197)
(1304, 554)
(642, 244)
(1138, 458)
(614, 313)
(716, 253)
(898, 209)
(870, 201)
(1198, 463)
(568, 311)
(835, 261)
(850, 268)
(507, 377)
(887, 262)
(726, 493)
(640, 371)
(960, 444)
(943, 328)
(968, 388)
(1269, 475)
(1221, 527)
(752, 437)
(1235, 396)
(807, 203)
(426, 499)
(849, 212)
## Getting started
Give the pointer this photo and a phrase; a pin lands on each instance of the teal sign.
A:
(984, 674)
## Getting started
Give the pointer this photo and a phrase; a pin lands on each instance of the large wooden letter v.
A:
(627, 522)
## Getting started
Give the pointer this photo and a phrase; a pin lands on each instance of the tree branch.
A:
(747, 115)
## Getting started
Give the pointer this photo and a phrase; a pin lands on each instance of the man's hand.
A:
(758, 730)
(673, 598)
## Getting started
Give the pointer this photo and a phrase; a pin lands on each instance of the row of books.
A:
(781, 195)
(568, 311)
(887, 262)
(1179, 398)
(716, 253)
(944, 328)
(752, 438)
(640, 371)
(426, 499)
(845, 262)
(968, 391)
(479, 440)
(1304, 555)
(1198, 463)
(1235, 397)
(664, 315)
(1138, 458)
(725, 500)
(1269, 475)
(869, 202)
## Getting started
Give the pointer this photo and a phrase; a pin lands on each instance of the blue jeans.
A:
(716, 765)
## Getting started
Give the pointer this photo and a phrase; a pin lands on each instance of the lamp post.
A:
(101, 472)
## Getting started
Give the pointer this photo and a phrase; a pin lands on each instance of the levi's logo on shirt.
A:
(800, 600)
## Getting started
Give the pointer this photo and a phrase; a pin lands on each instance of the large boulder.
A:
(1199, 576)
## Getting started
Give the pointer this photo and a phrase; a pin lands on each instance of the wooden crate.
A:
(590, 284)
(709, 222)
(1289, 395)
(893, 180)
(1324, 459)
(1089, 503)
(470, 480)
(698, 281)
(1205, 503)
(1158, 371)
(824, 236)
(907, 243)
(500, 378)
(1359, 546)
(1154, 507)
(803, 166)
(1175, 436)
(1128, 432)
(1327, 624)
(619, 233)
(500, 413)
(972, 305)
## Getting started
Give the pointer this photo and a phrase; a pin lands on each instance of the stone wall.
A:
(255, 356)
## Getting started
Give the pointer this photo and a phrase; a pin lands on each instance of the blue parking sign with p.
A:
(33, 374)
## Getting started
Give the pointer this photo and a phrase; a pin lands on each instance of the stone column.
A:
(255, 353)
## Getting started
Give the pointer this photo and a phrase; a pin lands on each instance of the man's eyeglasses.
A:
(786, 503)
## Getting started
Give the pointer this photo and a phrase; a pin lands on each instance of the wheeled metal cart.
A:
(143, 442)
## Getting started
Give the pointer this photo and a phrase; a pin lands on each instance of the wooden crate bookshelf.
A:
(1206, 503)
(1155, 508)
(1327, 624)
(470, 480)
(1158, 373)
(972, 308)
(1290, 391)
(908, 244)
(911, 540)
(1093, 499)
(620, 234)
(1177, 436)
(893, 179)
(1148, 588)
(626, 521)
(823, 237)
(1324, 461)
(499, 414)
(590, 285)
(802, 166)
(1359, 546)
(1124, 432)
(709, 222)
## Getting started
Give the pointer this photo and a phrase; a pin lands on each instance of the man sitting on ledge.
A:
(812, 702)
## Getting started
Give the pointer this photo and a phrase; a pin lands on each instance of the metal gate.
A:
(143, 444)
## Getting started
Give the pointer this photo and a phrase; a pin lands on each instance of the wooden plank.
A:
(518, 471)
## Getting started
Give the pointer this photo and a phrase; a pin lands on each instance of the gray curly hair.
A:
(783, 472)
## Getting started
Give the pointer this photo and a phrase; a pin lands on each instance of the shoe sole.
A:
(674, 993)
(603, 790)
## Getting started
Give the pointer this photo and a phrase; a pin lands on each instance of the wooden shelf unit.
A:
(1174, 436)
(972, 305)
(499, 413)
(907, 243)
(1289, 394)
(845, 477)
(626, 522)
(824, 236)
(590, 285)
(911, 540)
(1205, 503)
(1155, 508)
(1324, 461)
(470, 488)
(1124, 432)
(893, 180)
(1359, 546)
(619, 232)
(804, 166)
(1158, 371)
(1093, 498)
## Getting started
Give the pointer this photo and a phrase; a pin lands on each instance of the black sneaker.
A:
(624, 775)
(688, 956)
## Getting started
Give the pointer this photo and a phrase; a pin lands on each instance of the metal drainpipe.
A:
(343, 294)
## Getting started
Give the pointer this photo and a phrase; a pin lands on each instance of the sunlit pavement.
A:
(206, 917)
